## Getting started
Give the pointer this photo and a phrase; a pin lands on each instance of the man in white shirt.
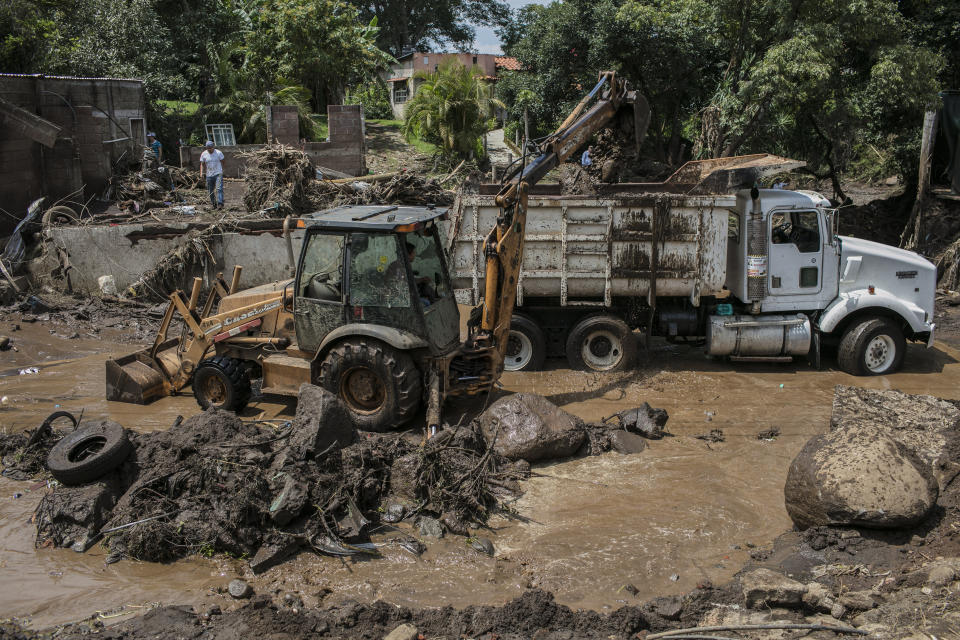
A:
(211, 168)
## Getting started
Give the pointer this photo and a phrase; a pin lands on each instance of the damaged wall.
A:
(100, 121)
(344, 150)
(127, 251)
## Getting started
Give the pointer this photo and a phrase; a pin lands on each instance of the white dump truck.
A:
(758, 275)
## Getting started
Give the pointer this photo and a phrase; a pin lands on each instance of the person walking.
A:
(211, 169)
(155, 146)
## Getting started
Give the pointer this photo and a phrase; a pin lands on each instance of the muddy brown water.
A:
(682, 512)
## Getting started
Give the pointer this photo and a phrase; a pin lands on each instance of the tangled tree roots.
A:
(282, 181)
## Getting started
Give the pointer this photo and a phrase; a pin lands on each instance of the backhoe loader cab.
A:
(374, 271)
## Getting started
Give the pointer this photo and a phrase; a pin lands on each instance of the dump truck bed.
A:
(587, 250)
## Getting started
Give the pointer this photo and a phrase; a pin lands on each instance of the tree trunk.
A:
(526, 126)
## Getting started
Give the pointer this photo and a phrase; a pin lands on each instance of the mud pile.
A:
(216, 484)
(283, 181)
(23, 456)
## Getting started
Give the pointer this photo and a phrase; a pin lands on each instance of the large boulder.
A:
(321, 423)
(927, 425)
(858, 476)
(527, 426)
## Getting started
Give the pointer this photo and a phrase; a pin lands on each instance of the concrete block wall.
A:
(345, 151)
(283, 125)
(91, 112)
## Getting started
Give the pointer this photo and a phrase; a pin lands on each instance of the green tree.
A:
(242, 97)
(375, 98)
(451, 108)
(318, 44)
(418, 24)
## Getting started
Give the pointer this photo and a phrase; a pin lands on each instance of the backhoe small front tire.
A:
(223, 383)
(380, 385)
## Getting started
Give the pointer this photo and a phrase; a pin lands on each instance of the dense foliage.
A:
(452, 108)
(830, 81)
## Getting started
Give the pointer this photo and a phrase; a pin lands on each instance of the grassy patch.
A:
(393, 124)
(322, 125)
(180, 106)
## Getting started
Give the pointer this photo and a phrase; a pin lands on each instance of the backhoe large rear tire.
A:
(223, 383)
(380, 385)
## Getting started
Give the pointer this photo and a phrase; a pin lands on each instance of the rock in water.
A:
(321, 421)
(528, 426)
(858, 476)
(626, 442)
(239, 589)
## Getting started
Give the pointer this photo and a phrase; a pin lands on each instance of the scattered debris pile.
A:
(176, 268)
(156, 186)
(216, 484)
(283, 181)
(24, 455)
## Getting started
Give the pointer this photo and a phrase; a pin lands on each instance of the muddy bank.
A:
(884, 583)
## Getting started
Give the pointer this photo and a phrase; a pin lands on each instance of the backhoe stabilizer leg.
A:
(433, 404)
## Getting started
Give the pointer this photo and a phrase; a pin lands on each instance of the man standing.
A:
(155, 146)
(211, 167)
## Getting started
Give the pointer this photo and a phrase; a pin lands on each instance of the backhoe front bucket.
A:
(139, 379)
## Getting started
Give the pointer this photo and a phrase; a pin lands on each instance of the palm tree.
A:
(452, 108)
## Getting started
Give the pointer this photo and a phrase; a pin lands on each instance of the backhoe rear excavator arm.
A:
(503, 246)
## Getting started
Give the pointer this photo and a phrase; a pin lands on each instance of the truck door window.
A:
(800, 228)
(378, 273)
(427, 267)
(321, 273)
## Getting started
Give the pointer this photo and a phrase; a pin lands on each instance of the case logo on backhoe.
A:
(256, 311)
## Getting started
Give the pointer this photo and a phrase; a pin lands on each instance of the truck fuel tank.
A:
(758, 336)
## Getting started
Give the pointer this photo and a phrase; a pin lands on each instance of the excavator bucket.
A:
(139, 378)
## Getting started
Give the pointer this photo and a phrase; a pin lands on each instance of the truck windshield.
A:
(427, 267)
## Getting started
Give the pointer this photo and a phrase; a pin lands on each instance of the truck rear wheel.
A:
(601, 343)
(526, 345)
(221, 382)
(380, 385)
(871, 347)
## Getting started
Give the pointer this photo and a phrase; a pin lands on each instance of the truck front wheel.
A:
(601, 343)
(871, 347)
(380, 385)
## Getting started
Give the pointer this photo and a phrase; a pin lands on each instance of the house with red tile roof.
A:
(402, 84)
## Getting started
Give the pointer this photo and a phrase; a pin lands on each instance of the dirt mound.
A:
(217, 484)
(283, 181)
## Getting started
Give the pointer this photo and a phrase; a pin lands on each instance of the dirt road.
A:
(684, 511)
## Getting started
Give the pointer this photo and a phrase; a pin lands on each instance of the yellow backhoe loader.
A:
(370, 313)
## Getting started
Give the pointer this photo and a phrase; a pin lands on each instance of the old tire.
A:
(601, 343)
(871, 347)
(380, 385)
(89, 452)
(221, 382)
(526, 345)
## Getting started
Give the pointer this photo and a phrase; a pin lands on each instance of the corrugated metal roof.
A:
(46, 77)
